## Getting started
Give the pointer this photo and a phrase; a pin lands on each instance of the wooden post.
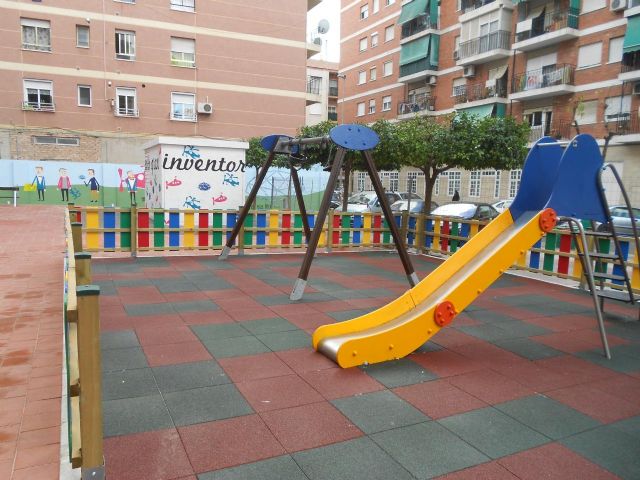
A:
(134, 231)
(76, 232)
(83, 268)
(329, 245)
(241, 240)
(421, 224)
(404, 228)
(90, 382)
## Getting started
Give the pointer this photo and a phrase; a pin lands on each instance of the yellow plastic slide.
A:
(398, 328)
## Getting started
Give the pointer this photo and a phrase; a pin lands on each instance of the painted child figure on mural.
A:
(93, 185)
(132, 186)
(64, 184)
(40, 183)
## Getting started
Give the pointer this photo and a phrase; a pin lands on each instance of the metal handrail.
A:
(492, 41)
(543, 77)
(418, 103)
(553, 21)
(479, 91)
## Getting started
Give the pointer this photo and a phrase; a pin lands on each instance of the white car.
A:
(368, 202)
(502, 205)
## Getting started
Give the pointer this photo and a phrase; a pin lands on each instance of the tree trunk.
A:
(429, 182)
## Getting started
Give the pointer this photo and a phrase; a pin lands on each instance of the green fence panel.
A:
(125, 224)
(550, 243)
(346, 232)
(248, 234)
(297, 225)
(158, 222)
(217, 232)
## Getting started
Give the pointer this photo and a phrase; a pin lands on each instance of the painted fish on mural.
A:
(191, 202)
(221, 198)
(204, 186)
(173, 183)
(231, 179)
(191, 151)
(82, 177)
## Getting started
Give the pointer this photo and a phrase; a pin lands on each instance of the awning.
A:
(433, 10)
(414, 51)
(480, 111)
(498, 72)
(434, 54)
(501, 110)
(412, 10)
(632, 37)
(527, 24)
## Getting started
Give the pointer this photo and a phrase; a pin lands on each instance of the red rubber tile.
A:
(175, 353)
(564, 323)
(445, 363)
(137, 295)
(439, 399)
(35, 456)
(243, 314)
(114, 323)
(143, 321)
(226, 443)
(332, 306)
(553, 462)
(490, 386)
(450, 337)
(575, 341)
(156, 455)
(576, 370)
(533, 376)
(252, 367)
(202, 318)
(487, 354)
(184, 296)
(625, 388)
(310, 426)
(486, 471)
(274, 393)
(310, 321)
(165, 334)
(596, 403)
(305, 360)
(334, 383)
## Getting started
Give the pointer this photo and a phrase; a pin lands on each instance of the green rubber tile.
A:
(269, 325)
(364, 293)
(398, 373)
(487, 331)
(523, 300)
(428, 450)
(629, 331)
(493, 433)
(352, 460)
(107, 287)
(215, 264)
(186, 376)
(119, 267)
(172, 285)
(489, 316)
(379, 411)
(519, 329)
(219, 331)
(611, 448)
(277, 468)
(620, 360)
(234, 347)
(528, 348)
(123, 359)
(285, 340)
(118, 339)
(206, 404)
(132, 282)
(270, 300)
(135, 415)
(149, 309)
(347, 314)
(547, 416)
(128, 384)
(194, 306)
(630, 426)
(148, 262)
(428, 347)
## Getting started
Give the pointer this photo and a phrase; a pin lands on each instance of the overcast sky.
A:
(329, 10)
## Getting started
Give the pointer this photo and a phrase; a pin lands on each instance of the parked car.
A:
(467, 211)
(621, 220)
(367, 201)
(502, 205)
(417, 206)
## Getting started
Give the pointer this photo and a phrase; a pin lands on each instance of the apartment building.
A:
(94, 80)
(322, 92)
(563, 66)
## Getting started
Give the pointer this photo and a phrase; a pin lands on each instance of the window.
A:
(374, 40)
(183, 5)
(586, 112)
(386, 103)
(183, 52)
(36, 34)
(183, 106)
(82, 36)
(126, 104)
(360, 111)
(591, 5)
(125, 45)
(394, 181)
(50, 140)
(514, 182)
(496, 185)
(314, 84)
(376, 6)
(412, 182)
(126, 1)
(372, 106)
(389, 33)
(332, 113)
(615, 49)
(590, 55)
(362, 77)
(459, 86)
(453, 183)
(363, 44)
(84, 95)
(617, 108)
(362, 181)
(456, 48)
(474, 184)
(364, 11)
(373, 74)
(390, 2)
(387, 68)
(436, 186)
(38, 95)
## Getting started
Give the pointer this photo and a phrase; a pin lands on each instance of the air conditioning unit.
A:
(617, 5)
(469, 71)
(456, 55)
(432, 80)
(431, 108)
(206, 108)
(636, 88)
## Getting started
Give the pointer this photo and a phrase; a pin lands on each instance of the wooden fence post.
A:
(89, 364)
(134, 231)
(404, 228)
(329, 245)
(76, 232)
(83, 268)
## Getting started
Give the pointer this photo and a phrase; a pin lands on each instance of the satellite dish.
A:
(323, 26)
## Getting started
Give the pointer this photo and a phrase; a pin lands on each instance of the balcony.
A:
(625, 126)
(493, 46)
(478, 92)
(183, 5)
(471, 5)
(313, 92)
(38, 106)
(542, 83)
(332, 116)
(630, 68)
(475, 8)
(126, 112)
(417, 25)
(333, 91)
(421, 102)
(550, 29)
(558, 130)
(416, 70)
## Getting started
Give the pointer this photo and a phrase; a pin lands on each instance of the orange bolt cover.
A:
(444, 313)
(548, 219)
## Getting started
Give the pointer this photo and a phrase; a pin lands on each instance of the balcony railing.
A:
(417, 103)
(313, 87)
(560, 130)
(551, 22)
(333, 116)
(543, 77)
(417, 25)
(36, 46)
(416, 67)
(469, 5)
(38, 106)
(630, 62)
(333, 91)
(493, 41)
(126, 112)
(623, 123)
(479, 91)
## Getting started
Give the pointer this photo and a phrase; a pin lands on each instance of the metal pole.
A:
(301, 206)
(301, 281)
(386, 209)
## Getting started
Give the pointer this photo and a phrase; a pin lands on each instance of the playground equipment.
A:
(346, 137)
(556, 187)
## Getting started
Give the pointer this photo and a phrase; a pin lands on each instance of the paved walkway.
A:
(208, 371)
(32, 248)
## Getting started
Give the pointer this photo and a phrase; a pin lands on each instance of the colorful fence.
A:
(142, 230)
